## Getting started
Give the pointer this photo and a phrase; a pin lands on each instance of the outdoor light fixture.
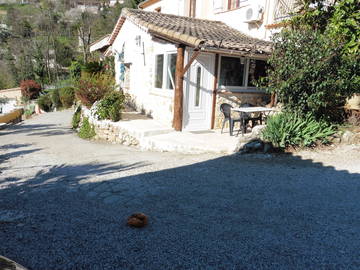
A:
(242, 60)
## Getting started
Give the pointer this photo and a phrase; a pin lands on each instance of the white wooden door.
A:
(198, 95)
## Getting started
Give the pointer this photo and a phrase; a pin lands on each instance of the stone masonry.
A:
(109, 131)
(236, 99)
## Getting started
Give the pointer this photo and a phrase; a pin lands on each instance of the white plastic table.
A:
(260, 110)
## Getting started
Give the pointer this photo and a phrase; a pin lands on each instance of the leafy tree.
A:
(42, 38)
(340, 20)
(315, 66)
(30, 89)
(345, 25)
(309, 73)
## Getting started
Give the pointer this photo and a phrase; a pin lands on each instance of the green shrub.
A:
(75, 70)
(92, 67)
(45, 102)
(110, 106)
(55, 98)
(28, 113)
(315, 60)
(29, 110)
(76, 118)
(67, 96)
(289, 129)
(90, 89)
(87, 130)
(313, 77)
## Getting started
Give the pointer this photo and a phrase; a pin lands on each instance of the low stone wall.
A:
(236, 99)
(109, 131)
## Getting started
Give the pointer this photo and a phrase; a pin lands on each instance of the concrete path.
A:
(64, 203)
(154, 136)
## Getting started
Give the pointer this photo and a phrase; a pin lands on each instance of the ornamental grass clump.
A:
(110, 106)
(92, 88)
(290, 129)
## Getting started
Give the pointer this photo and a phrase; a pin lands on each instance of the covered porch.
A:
(147, 134)
(212, 63)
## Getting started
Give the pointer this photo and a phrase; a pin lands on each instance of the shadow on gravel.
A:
(14, 146)
(17, 153)
(23, 128)
(36, 130)
(14, 154)
(235, 212)
(65, 176)
(52, 132)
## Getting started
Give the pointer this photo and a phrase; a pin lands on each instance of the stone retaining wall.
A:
(109, 131)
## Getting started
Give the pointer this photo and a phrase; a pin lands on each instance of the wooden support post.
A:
(192, 59)
(179, 83)
(216, 76)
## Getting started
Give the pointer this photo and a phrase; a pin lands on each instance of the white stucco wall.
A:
(236, 19)
(156, 102)
(169, 6)
(8, 107)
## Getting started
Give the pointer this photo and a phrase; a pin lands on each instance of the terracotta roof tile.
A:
(206, 34)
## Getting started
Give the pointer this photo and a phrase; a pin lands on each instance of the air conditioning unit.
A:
(254, 13)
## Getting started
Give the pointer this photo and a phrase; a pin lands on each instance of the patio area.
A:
(148, 134)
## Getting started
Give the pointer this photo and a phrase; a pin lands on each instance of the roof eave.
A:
(147, 3)
(177, 38)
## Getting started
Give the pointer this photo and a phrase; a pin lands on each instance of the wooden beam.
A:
(179, 85)
(216, 77)
(273, 100)
(145, 4)
(192, 59)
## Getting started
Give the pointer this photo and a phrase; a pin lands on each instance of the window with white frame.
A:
(240, 72)
(165, 66)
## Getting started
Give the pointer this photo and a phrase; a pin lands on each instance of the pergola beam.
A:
(192, 59)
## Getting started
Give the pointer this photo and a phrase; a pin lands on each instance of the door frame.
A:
(208, 70)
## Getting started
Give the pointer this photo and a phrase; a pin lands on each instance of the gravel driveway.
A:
(64, 203)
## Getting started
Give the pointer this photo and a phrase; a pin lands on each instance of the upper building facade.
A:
(257, 18)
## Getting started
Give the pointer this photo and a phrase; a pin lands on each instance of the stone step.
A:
(188, 143)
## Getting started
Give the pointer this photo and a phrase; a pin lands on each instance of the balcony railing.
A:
(283, 9)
